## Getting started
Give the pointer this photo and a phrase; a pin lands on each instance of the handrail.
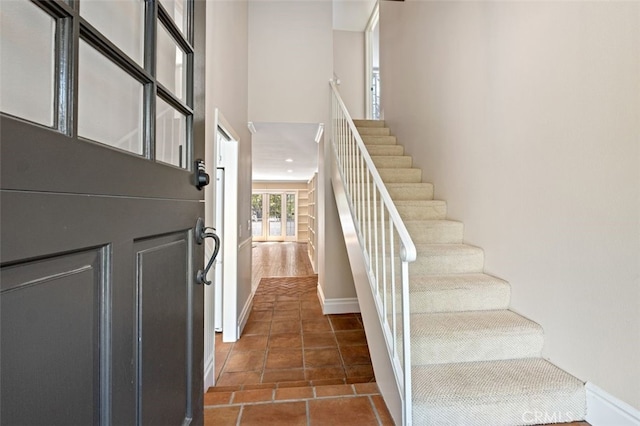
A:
(379, 227)
(410, 248)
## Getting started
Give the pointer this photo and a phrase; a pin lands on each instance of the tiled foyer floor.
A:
(293, 365)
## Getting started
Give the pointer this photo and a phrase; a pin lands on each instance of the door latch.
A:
(201, 177)
(202, 232)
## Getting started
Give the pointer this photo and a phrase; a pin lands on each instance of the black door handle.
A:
(203, 232)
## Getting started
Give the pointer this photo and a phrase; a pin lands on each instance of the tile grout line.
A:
(375, 410)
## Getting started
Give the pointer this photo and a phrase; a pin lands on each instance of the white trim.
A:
(603, 409)
(209, 373)
(346, 305)
(368, 57)
(244, 315)
(319, 132)
(244, 243)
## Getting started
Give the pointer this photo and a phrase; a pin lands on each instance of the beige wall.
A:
(227, 79)
(526, 116)
(348, 65)
(290, 61)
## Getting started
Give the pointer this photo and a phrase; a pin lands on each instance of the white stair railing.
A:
(384, 240)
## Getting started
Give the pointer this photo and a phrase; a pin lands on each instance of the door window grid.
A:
(66, 62)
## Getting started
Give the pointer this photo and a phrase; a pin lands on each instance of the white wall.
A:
(290, 64)
(348, 65)
(526, 116)
(227, 80)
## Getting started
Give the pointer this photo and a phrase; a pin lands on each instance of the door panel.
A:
(50, 311)
(162, 265)
(135, 255)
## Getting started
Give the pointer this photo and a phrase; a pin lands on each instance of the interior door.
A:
(274, 217)
(102, 118)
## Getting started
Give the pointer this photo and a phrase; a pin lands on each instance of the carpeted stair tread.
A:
(392, 161)
(458, 292)
(408, 175)
(448, 337)
(368, 123)
(385, 149)
(374, 131)
(447, 259)
(495, 393)
(379, 140)
(435, 231)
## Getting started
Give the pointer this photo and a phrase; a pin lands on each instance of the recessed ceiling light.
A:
(290, 171)
(289, 160)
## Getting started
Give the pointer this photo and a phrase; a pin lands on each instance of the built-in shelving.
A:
(311, 219)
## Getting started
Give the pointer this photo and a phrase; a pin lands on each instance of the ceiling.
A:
(274, 143)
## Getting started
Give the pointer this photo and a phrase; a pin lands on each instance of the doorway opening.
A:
(274, 216)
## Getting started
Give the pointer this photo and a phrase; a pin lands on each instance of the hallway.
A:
(293, 365)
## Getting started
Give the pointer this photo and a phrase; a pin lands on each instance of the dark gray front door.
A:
(102, 117)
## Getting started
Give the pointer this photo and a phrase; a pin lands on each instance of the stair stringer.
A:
(380, 358)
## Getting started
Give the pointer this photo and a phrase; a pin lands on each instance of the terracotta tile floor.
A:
(288, 339)
(293, 365)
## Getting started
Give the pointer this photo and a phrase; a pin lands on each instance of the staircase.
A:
(474, 362)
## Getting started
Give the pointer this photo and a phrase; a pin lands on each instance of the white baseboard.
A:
(244, 315)
(209, 373)
(604, 409)
(347, 305)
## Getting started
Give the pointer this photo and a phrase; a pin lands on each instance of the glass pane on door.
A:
(171, 135)
(256, 215)
(27, 39)
(291, 215)
(109, 102)
(122, 22)
(275, 215)
(177, 10)
(171, 65)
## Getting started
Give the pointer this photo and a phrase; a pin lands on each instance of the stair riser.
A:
(460, 299)
(530, 411)
(379, 140)
(435, 211)
(369, 123)
(463, 262)
(392, 162)
(374, 131)
(385, 150)
(402, 192)
(401, 175)
(438, 232)
(488, 347)
(405, 192)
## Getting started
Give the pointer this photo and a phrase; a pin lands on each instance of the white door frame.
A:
(215, 213)
(368, 57)
(228, 160)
